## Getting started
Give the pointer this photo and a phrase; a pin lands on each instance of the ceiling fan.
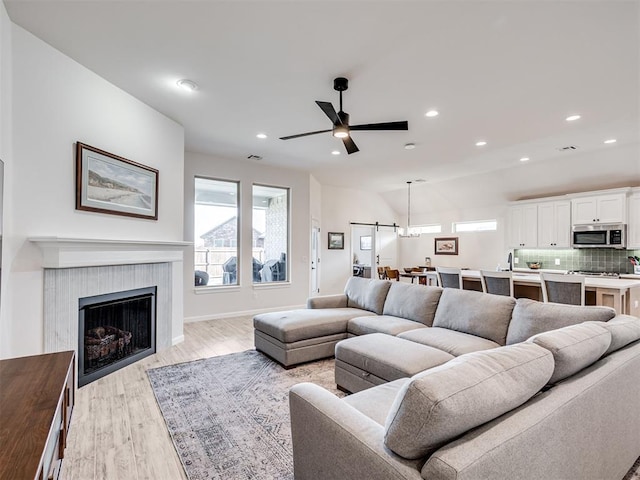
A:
(340, 120)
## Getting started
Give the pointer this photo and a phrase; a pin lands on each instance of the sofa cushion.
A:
(375, 402)
(476, 313)
(366, 293)
(531, 317)
(574, 347)
(381, 324)
(413, 302)
(446, 401)
(295, 325)
(387, 357)
(624, 329)
(450, 341)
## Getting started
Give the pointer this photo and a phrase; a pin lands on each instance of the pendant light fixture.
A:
(407, 233)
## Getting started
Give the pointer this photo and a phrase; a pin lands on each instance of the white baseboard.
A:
(177, 340)
(217, 316)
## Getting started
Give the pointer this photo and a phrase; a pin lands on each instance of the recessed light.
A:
(431, 113)
(524, 159)
(572, 118)
(481, 143)
(611, 140)
(261, 135)
(335, 152)
(188, 85)
(409, 146)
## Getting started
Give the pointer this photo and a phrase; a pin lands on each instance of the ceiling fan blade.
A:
(350, 145)
(382, 126)
(330, 112)
(304, 134)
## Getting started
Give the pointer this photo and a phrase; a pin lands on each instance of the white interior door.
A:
(386, 247)
(315, 258)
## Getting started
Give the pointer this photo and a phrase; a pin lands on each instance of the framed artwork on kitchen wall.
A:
(446, 246)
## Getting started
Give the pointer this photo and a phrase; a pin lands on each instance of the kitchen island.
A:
(622, 294)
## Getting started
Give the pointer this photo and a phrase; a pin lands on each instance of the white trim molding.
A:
(59, 252)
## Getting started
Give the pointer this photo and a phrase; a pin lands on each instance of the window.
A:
(216, 232)
(270, 234)
(432, 228)
(475, 226)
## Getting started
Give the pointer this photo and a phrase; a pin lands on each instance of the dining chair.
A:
(449, 277)
(381, 273)
(393, 274)
(559, 288)
(497, 283)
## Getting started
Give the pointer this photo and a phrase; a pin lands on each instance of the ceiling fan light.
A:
(340, 131)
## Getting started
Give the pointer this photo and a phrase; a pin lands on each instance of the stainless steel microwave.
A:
(611, 235)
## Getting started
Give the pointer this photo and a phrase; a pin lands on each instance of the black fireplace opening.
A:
(115, 330)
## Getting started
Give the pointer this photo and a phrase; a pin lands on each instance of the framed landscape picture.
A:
(365, 242)
(446, 246)
(336, 241)
(111, 184)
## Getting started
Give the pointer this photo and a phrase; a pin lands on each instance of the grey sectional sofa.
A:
(460, 385)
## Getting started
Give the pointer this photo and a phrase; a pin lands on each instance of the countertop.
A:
(533, 277)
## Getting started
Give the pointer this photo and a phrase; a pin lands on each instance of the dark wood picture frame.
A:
(107, 183)
(445, 246)
(336, 241)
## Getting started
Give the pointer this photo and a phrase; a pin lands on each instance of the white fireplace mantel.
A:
(60, 252)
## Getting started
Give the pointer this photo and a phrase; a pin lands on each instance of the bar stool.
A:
(558, 288)
(497, 283)
(449, 277)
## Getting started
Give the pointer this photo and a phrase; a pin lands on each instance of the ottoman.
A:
(369, 360)
(297, 336)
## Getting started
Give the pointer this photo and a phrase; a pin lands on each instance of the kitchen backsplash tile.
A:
(596, 259)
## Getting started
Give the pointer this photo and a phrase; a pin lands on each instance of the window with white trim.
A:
(474, 226)
(215, 232)
(271, 234)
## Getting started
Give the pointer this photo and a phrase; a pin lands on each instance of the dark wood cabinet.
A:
(37, 395)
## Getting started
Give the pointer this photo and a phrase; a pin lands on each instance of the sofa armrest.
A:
(328, 301)
(333, 440)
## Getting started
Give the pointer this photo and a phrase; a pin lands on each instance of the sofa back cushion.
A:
(531, 317)
(443, 402)
(476, 313)
(624, 329)
(366, 293)
(574, 347)
(413, 302)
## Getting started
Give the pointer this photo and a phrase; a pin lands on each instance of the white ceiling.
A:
(506, 72)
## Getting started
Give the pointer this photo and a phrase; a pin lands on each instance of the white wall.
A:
(7, 157)
(340, 207)
(476, 250)
(247, 298)
(57, 102)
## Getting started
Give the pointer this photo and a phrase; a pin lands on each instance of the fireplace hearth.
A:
(115, 330)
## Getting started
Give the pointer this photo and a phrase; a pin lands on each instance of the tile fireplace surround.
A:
(75, 268)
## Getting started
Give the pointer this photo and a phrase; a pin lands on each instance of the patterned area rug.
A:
(229, 415)
(634, 473)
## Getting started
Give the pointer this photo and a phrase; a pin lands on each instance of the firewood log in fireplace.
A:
(102, 343)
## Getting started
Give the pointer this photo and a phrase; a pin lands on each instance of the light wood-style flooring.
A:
(117, 430)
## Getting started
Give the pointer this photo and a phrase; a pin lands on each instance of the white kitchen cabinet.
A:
(523, 226)
(633, 228)
(599, 209)
(554, 224)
